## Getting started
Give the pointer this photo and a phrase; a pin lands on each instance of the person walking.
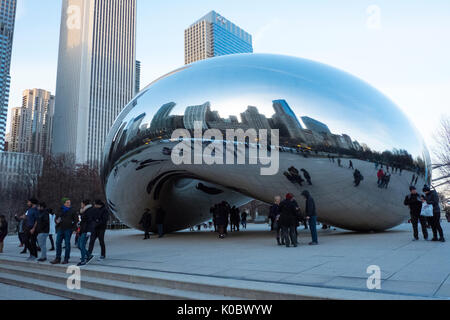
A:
(414, 203)
(307, 176)
(288, 217)
(160, 217)
(52, 229)
(66, 223)
(244, 219)
(42, 230)
(311, 215)
(222, 217)
(358, 177)
(351, 165)
(3, 231)
(146, 223)
(433, 199)
(380, 176)
(87, 225)
(30, 229)
(101, 217)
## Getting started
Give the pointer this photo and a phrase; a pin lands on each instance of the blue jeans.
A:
(313, 227)
(42, 240)
(60, 236)
(82, 246)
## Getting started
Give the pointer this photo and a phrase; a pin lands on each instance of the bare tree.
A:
(442, 154)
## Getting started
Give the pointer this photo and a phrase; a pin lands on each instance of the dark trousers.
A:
(288, 232)
(160, 230)
(22, 238)
(279, 233)
(50, 236)
(423, 223)
(147, 233)
(313, 228)
(435, 223)
(65, 235)
(100, 234)
(30, 242)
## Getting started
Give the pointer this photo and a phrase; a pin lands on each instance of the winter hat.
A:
(289, 196)
(426, 188)
(64, 200)
(412, 188)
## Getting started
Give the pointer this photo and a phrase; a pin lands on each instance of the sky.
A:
(401, 47)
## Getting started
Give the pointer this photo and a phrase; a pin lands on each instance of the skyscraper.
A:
(286, 120)
(138, 77)
(96, 74)
(7, 20)
(31, 125)
(212, 36)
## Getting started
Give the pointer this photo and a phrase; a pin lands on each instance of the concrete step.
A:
(105, 286)
(56, 289)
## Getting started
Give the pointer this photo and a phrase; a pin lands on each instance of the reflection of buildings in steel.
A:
(254, 120)
(286, 121)
(316, 126)
(197, 114)
(161, 121)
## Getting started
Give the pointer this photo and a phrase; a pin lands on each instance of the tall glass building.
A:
(7, 19)
(212, 36)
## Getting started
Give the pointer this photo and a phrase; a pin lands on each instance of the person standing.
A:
(42, 230)
(415, 206)
(433, 199)
(307, 176)
(311, 215)
(146, 223)
(288, 217)
(101, 223)
(380, 176)
(160, 217)
(66, 223)
(351, 165)
(244, 219)
(3, 231)
(86, 228)
(52, 230)
(222, 219)
(275, 217)
(20, 232)
(30, 229)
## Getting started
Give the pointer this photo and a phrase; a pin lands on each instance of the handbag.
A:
(427, 210)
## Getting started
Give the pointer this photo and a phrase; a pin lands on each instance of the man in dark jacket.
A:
(101, 216)
(87, 227)
(415, 206)
(222, 218)
(288, 220)
(275, 217)
(66, 223)
(307, 176)
(42, 230)
(433, 198)
(160, 217)
(146, 223)
(30, 224)
(311, 215)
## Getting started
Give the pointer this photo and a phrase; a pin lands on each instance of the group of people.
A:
(384, 178)
(424, 209)
(223, 215)
(294, 176)
(146, 222)
(288, 216)
(38, 224)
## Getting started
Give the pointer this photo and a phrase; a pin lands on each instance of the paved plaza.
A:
(409, 269)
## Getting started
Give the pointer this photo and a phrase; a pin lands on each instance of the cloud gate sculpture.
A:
(334, 126)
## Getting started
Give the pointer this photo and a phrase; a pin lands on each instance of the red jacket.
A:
(380, 174)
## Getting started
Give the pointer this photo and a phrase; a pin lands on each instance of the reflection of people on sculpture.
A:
(351, 165)
(146, 222)
(380, 176)
(433, 199)
(294, 176)
(339, 162)
(358, 177)
(288, 217)
(160, 217)
(307, 176)
(414, 203)
(385, 180)
(222, 218)
(244, 219)
(311, 216)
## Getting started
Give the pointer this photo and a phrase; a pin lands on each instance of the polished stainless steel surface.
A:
(324, 117)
